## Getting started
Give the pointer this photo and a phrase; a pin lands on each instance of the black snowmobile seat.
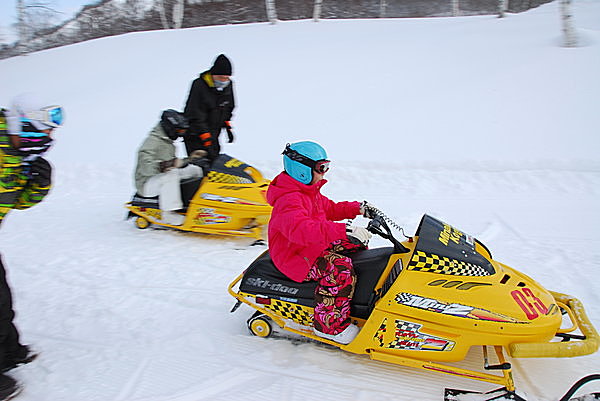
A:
(263, 278)
(145, 201)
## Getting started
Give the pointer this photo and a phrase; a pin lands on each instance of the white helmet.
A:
(28, 108)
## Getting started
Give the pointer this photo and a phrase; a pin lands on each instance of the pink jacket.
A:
(303, 224)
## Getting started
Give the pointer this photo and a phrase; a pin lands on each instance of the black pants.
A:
(9, 336)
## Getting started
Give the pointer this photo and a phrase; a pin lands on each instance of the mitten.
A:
(41, 172)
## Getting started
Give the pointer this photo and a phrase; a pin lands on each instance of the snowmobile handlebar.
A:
(378, 226)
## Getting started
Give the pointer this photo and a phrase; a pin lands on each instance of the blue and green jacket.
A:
(16, 190)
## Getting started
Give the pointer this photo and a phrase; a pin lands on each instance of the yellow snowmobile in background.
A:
(229, 200)
(425, 302)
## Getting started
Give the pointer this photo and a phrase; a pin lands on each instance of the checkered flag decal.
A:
(378, 337)
(402, 326)
(215, 176)
(298, 313)
(403, 297)
(432, 263)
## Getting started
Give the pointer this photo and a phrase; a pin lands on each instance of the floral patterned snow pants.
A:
(336, 280)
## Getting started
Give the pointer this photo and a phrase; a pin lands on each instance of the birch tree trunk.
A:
(569, 36)
(178, 10)
(502, 6)
(317, 10)
(163, 14)
(21, 28)
(271, 11)
(455, 8)
(382, 7)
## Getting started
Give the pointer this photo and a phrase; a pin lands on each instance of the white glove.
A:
(359, 233)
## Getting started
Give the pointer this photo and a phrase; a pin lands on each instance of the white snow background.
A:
(486, 123)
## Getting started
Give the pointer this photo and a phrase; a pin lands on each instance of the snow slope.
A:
(484, 123)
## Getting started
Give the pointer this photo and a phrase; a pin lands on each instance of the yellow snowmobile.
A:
(425, 302)
(228, 200)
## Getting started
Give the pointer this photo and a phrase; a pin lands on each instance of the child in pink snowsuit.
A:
(306, 243)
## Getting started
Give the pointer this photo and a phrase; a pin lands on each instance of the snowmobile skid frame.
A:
(425, 302)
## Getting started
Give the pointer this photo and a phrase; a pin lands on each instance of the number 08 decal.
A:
(531, 305)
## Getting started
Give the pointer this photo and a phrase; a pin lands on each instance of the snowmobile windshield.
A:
(228, 169)
(443, 249)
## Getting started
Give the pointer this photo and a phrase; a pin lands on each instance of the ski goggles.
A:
(52, 116)
(319, 166)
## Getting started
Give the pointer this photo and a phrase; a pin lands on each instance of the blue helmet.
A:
(295, 163)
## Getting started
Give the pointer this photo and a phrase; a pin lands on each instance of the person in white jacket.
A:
(159, 172)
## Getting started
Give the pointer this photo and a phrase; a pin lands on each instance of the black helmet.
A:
(174, 123)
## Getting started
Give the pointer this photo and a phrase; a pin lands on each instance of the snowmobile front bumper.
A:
(584, 345)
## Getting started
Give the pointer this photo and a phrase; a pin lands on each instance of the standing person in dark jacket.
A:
(209, 108)
(25, 179)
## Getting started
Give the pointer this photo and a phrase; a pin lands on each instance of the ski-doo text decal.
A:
(209, 216)
(453, 309)
(432, 263)
(407, 335)
(263, 283)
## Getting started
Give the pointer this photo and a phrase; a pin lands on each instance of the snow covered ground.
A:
(485, 123)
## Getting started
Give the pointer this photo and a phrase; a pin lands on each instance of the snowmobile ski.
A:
(499, 394)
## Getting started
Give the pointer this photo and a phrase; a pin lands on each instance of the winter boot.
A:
(9, 388)
(345, 337)
(23, 356)
(172, 218)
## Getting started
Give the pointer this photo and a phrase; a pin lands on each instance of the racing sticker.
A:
(228, 199)
(449, 233)
(154, 213)
(407, 335)
(209, 216)
(432, 263)
(453, 309)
